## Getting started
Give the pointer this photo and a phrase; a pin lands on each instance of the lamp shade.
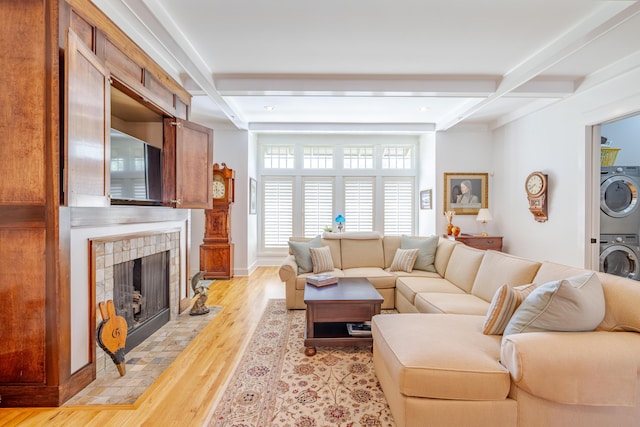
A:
(484, 215)
(340, 218)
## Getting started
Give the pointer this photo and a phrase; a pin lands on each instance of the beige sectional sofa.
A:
(438, 368)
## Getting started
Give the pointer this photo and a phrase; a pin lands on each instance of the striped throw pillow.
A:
(321, 259)
(504, 303)
(404, 260)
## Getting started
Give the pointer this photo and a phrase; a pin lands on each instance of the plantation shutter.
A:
(358, 204)
(398, 206)
(277, 223)
(318, 205)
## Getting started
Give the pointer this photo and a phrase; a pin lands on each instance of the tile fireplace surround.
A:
(106, 252)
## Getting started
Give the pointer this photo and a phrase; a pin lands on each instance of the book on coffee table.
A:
(359, 329)
(324, 279)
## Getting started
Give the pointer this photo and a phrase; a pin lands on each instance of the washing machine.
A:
(619, 203)
(619, 255)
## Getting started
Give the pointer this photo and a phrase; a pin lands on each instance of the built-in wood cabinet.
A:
(59, 59)
(86, 126)
(481, 242)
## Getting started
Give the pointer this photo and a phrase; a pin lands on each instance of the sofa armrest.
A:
(585, 368)
(288, 273)
(288, 269)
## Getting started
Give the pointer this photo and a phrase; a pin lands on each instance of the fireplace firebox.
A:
(141, 295)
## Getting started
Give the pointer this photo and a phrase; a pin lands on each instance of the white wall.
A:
(427, 218)
(556, 141)
(461, 150)
(230, 147)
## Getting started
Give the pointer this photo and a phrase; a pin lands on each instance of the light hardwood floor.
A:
(186, 392)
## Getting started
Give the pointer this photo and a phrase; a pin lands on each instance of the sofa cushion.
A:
(300, 251)
(410, 286)
(505, 302)
(463, 266)
(437, 302)
(427, 247)
(321, 259)
(573, 304)
(336, 256)
(443, 254)
(498, 268)
(576, 368)
(404, 260)
(377, 276)
(440, 356)
(622, 303)
(361, 253)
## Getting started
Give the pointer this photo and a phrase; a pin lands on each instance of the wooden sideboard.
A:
(480, 242)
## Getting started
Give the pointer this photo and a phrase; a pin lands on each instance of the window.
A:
(358, 203)
(307, 180)
(358, 157)
(277, 220)
(318, 157)
(398, 206)
(318, 205)
(397, 157)
(278, 157)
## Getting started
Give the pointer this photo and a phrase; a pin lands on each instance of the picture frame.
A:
(472, 199)
(253, 196)
(425, 199)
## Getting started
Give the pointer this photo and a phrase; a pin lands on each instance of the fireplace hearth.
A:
(141, 274)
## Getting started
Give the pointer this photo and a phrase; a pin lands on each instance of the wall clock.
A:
(216, 251)
(536, 188)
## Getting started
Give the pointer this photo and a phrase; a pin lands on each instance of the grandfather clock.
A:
(216, 251)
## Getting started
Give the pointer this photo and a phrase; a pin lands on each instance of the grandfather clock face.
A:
(219, 189)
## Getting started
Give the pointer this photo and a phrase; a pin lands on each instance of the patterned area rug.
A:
(275, 384)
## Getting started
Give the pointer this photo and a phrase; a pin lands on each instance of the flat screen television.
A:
(136, 171)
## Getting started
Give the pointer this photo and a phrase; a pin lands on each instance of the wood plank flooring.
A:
(188, 389)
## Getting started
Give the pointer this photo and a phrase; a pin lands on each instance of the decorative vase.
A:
(449, 229)
(455, 230)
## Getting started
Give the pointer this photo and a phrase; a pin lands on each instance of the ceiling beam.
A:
(595, 26)
(154, 17)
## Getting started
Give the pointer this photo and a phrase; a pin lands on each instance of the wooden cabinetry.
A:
(216, 251)
(481, 242)
(56, 155)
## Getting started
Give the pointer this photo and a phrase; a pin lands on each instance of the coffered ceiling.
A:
(405, 65)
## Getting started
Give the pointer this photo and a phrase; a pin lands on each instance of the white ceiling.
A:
(406, 65)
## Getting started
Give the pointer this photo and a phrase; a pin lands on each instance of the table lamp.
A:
(483, 217)
(340, 220)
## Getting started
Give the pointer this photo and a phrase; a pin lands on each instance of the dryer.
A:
(619, 255)
(619, 202)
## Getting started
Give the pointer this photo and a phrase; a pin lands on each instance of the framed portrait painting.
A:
(466, 193)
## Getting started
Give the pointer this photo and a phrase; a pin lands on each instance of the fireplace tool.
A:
(112, 334)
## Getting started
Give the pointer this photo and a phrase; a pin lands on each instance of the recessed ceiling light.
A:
(269, 107)
(423, 109)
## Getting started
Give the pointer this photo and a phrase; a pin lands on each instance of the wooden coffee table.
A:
(330, 308)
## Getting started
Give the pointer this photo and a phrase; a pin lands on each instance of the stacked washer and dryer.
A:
(620, 221)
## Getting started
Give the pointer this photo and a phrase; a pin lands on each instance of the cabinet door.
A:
(87, 153)
(187, 171)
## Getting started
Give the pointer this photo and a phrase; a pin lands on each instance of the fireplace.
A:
(141, 295)
(141, 274)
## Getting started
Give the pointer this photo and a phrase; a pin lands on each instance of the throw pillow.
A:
(427, 254)
(300, 251)
(573, 304)
(321, 259)
(404, 260)
(504, 303)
